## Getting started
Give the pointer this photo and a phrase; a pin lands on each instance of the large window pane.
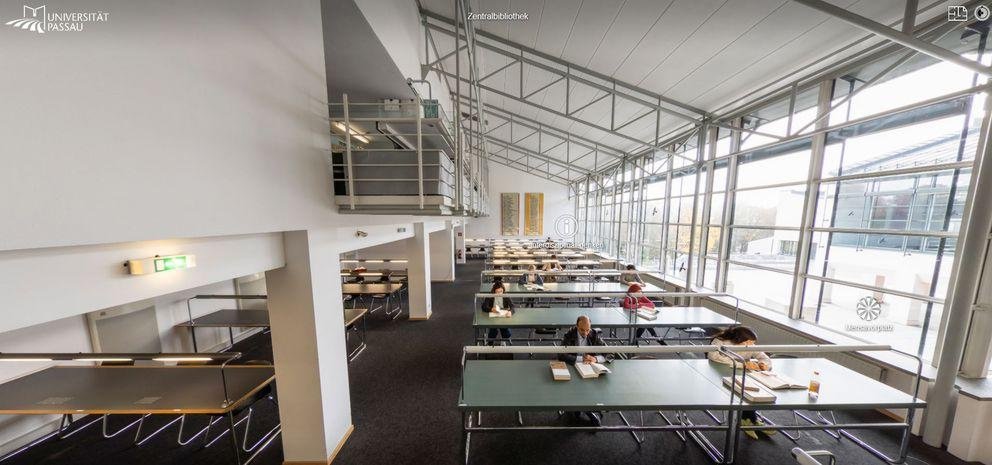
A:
(767, 289)
(769, 248)
(775, 206)
(847, 257)
(761, 168)
(873, 316)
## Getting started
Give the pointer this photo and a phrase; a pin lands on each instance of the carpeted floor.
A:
(404, 388)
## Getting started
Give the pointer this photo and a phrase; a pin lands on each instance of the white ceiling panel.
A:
(705, 53)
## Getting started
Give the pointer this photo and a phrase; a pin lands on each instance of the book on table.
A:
(775, 381)
(591, 370)
(753, 392)
(559, 371)
(497, 312)
(646, 315)
(533, 287)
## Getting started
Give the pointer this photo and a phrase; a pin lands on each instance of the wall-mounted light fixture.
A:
(159, 264)
(361, 234)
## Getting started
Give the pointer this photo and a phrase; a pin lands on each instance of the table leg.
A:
(466, 435)
(234, 438)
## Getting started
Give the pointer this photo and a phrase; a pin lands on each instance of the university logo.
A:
(33, 19)
(41, 20)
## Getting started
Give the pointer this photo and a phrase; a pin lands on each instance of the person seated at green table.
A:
(551, 265)
(755, 360)
(630, 276)
(531, 277)
(582, 335)
(498, 302)
(635, 301)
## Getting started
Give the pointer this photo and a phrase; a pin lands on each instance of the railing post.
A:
(347, 149)
(420, 155)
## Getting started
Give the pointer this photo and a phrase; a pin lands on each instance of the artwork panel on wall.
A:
(509, 213)
(534, 214)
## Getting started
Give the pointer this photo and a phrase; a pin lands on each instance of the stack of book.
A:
(559, 371)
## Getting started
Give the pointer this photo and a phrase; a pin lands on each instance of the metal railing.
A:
(431, 131)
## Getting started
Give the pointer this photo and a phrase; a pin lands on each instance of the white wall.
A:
(503, 179)
(442, 248)
(49, 284)
(397, 23)
(174, 119)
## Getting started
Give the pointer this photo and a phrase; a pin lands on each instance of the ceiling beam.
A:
(541, 156)
(570, 67)
(899, 37)
(535, 125)
(552, 111)
(551, 177)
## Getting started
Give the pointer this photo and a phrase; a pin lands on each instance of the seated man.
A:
(582, 335)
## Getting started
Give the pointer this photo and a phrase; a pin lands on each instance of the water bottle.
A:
(814, 385)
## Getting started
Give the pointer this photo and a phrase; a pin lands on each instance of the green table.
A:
(571, 288)
(679, 385)
(841, 388)
(601, 317)
(524, 385)
(633, 385)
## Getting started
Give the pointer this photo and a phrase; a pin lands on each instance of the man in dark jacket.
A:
(582, 335)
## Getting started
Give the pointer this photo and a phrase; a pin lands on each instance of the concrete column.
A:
(442, 245)
(418, 254)
(460, 243)
(307, 320)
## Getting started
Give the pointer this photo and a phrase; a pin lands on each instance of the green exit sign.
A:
(171, 263)
(160, 264)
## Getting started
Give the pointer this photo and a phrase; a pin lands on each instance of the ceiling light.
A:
(357, 135)
(182, 359)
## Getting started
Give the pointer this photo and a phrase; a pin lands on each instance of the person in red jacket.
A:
(635, 301)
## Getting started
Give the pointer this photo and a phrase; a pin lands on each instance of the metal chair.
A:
(266, 393)
(809, 457)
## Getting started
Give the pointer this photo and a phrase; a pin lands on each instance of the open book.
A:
(533, 287)
(753, 392)
(497, 312)
(559, 371)
(775, 380)
(591, 370)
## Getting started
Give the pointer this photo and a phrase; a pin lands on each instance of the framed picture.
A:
(509, 213)
(534, 214)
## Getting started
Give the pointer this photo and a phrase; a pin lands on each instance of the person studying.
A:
(552, 265)
(498, 307)
(757, 361)
(531, 277)
(642, 306)
(582, 335)
(630, 276)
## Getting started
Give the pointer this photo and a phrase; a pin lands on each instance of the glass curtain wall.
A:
(839, 204)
